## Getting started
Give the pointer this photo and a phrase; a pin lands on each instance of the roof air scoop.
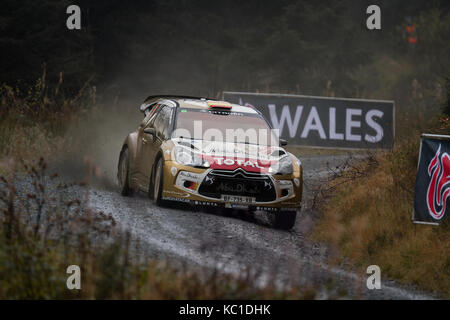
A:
(219, 104)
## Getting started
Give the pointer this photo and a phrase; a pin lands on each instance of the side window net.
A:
(162, 122)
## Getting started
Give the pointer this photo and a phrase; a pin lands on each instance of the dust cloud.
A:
(94, 143)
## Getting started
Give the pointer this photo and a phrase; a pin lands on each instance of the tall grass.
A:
(368, 217)
(32, 123)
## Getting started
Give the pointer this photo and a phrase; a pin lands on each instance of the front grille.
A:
(238, 182)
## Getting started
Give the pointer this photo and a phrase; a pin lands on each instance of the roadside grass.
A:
(368, 218)
(33, 123)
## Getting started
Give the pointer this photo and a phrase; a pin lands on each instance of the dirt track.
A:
(232, 241)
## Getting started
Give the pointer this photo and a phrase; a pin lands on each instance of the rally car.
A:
(207, 152)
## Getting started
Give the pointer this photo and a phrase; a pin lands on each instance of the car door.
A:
(151, 143)
(136, 169)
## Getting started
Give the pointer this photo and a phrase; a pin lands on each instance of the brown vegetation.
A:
(368, 217)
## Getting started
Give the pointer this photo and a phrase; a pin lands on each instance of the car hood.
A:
(230, 156)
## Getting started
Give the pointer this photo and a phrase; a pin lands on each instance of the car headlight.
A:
(188, 158)
(283, 166)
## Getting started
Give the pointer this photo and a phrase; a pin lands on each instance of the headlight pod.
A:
(283, 166)
(189, 158)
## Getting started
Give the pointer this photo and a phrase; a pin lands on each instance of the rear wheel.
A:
(124, 172)
(284, 220)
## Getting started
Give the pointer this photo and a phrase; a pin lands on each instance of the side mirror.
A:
(143, 107)
(283, 142)
(150, 131)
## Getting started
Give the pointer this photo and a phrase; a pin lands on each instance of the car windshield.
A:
(223, 125)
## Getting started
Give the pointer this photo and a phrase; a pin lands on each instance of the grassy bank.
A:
(368, 217)
(33, 123)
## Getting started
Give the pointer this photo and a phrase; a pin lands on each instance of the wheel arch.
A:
(131, 143)
(159, 155)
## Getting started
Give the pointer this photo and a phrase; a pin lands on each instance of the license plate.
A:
(237, 199)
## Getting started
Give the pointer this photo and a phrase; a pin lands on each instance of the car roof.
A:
(200, 103)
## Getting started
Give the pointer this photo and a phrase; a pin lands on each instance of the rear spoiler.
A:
(171, 96)
(152, 99)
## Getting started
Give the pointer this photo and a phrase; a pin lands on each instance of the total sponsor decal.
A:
(249, 165)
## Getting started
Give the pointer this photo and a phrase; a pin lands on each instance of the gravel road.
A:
(232, 241)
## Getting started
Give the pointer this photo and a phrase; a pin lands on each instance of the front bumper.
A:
(198, 186)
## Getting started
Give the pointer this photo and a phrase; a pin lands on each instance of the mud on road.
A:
(233, 241)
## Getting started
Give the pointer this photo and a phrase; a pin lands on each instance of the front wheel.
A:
(284, 220)
(158, 180)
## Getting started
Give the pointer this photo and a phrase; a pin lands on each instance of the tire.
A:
(284, 220)
(158, 180)
(123, 172)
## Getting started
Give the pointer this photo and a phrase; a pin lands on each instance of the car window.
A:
(220, 122)
(148, 110)
(148, 114)
(163, 122)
